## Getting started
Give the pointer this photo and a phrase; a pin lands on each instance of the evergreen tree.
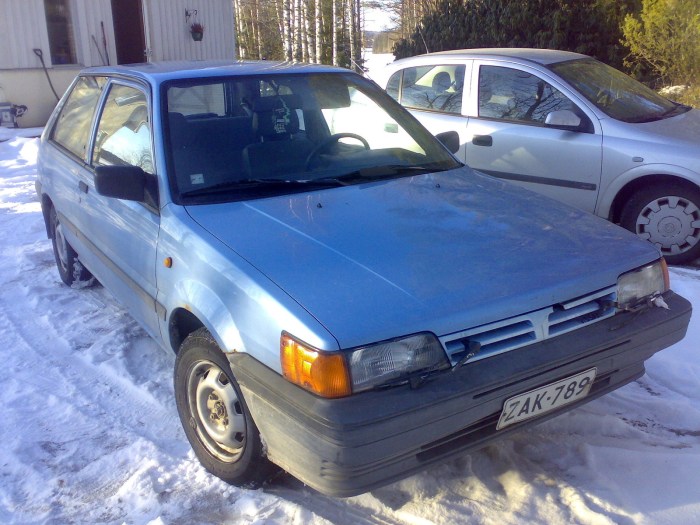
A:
(591, 27)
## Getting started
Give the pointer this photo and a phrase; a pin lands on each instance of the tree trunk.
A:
(336, 34)
(319, 32)
(287, 29)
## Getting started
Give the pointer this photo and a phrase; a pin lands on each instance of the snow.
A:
(90, 433)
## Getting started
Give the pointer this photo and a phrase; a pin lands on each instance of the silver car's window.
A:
(204, 99)
(392, 86)
(515, 95)
(614, 93)
(437, 88)
(72, 128)
(124, 131)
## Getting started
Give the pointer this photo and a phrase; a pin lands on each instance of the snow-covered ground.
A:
(89, 431)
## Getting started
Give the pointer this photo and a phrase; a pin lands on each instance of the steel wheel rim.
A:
(61, 246)
(216, 411)
(671, 223)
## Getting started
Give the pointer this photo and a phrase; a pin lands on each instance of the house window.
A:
(59, 24)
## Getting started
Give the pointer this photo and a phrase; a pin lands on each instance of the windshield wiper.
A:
(268, 184)
(677, 109)
(387, 171)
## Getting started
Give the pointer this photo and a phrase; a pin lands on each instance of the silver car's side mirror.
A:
(563, 119)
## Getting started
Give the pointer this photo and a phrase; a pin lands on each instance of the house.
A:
(68, 35)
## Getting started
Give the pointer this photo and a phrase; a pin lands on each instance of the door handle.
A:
(482, 140)
(82, 186)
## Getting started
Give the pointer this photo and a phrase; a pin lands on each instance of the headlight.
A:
(638, 285)
(388, 362)
(339, 374)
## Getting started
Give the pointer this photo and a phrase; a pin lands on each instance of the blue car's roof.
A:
(157, 72)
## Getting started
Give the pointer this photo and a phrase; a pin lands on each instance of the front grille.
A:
(509, 334)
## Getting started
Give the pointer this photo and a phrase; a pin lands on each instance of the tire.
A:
(668, 216)
(71, 270)
(214, 414)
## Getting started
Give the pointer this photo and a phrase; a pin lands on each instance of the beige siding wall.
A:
(88, 14)
(22, 28)
(168, 31)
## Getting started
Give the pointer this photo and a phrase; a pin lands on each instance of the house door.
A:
(128, 31)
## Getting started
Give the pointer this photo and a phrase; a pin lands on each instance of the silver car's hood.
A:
(438, 252)
(683, 128)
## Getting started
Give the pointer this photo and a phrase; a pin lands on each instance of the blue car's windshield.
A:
(237, 138)
(614, 93)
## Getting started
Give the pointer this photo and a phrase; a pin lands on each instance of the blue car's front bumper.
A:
(344, 447)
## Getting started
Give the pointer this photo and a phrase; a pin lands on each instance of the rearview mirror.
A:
(564, 118)
(449, 139)
(121, 182)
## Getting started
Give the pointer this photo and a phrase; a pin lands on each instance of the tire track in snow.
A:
(85, 390)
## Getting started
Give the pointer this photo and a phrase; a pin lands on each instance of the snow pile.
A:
(90, 433)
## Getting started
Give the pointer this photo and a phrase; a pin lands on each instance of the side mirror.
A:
(565, 119)
(449, 139)
(121, 182)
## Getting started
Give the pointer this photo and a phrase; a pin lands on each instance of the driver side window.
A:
(515, 95)
(124, 131)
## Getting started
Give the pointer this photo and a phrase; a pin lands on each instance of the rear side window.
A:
(392, 87)
(72, 128)
(198, 100)
(436, 88)
(124, 132)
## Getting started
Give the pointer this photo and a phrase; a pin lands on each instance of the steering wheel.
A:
(331, 140)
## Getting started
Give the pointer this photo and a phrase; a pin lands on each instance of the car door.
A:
(508, 137)
(434, 94)
(124, 234)
(65, 163)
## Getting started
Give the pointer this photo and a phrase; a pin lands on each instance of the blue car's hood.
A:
(439, 252)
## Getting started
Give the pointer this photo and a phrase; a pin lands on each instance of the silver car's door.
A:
(508, 137)
(435, 95)
(124, 234)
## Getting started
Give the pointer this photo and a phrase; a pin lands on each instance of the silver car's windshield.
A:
(614, 93)
(246, 137)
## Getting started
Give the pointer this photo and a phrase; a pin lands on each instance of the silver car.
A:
(567, 126)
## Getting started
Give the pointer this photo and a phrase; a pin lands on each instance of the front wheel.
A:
(669, 217)
(214, 414)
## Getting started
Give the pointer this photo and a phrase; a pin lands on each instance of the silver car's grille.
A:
(509, 334)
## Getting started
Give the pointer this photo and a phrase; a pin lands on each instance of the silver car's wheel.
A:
(214, 414)
(668, 217)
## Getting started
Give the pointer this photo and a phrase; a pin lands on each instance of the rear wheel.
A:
(669, 217)
(214, 414)
(71, 270)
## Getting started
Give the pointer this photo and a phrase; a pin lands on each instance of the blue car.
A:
(347, 301)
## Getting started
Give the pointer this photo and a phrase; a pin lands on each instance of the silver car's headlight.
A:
(393, 361)
(638, 286)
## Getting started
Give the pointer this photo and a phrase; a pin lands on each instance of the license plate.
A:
(546, 398)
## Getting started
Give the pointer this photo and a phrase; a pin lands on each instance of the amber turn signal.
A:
(325, 374)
